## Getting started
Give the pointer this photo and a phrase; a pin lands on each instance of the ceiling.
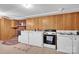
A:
(19, 11)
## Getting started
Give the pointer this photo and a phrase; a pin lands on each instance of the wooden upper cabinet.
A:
(68, 21)
(77, 21)
(53, 22)
(41, 23)
(31, 24)
(59, 22)
(44, 23)
(36, 23)
(73, 21)
(47, 22)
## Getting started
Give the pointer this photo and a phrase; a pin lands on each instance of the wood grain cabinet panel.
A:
(60, 22)
(6, 30)
(36, 23)
(46, 23)
(73, 21)
(2, 30)
(77, 21)
(41, 23)
(53, 22)
(31, 24)
(13, 23)
(68, 21)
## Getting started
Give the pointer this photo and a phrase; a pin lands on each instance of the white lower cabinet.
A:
(36, 38)
(68, 43)
(23, 38)
(76, 45)
(64, 43)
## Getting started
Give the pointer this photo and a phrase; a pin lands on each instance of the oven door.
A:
(49, 39)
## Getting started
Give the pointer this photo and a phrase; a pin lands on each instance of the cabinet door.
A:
(64, 43)
(31, 39)
(76, 44)
(36, 38)
(67, 22)
(23, 38)
(30, 24)
(77, 21)
(59, 22)
(53, 22)
(42, 23)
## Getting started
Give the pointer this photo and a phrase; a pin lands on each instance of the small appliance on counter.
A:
(50, 38)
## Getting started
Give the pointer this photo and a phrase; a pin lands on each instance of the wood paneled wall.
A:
(69, 21)
(7, 32)
(13, 23)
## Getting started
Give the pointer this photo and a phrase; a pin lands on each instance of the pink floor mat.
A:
(11, 42)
